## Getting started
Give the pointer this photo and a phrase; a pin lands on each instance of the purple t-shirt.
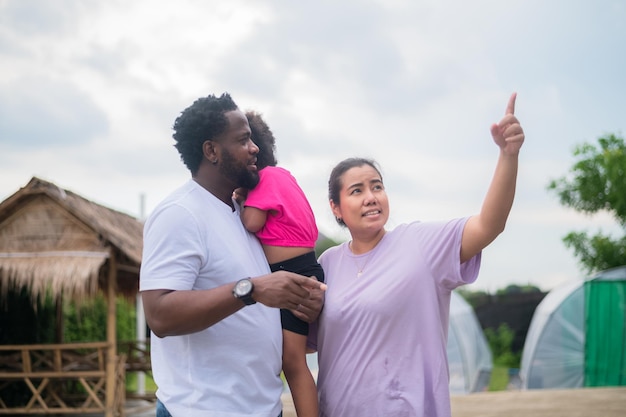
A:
(290, 220)
(381, 337)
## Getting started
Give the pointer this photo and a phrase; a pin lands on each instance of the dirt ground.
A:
(586, 402)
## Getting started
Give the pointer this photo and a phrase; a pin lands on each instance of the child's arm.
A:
(253, 218)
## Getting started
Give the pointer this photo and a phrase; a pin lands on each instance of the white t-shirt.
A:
(194, 241)
(382, 335)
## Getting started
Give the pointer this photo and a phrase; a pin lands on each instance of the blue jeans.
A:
(161, 411)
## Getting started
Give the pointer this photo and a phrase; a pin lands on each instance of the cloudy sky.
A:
(89, 91)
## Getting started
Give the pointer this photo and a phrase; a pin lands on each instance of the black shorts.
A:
(304, 265)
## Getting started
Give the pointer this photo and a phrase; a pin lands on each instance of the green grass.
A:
(499, 378)
(131, 383)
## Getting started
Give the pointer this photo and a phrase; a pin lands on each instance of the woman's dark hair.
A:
(263, 137)
(204, 120)
(335, 181)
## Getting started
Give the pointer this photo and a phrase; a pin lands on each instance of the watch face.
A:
(243, 287)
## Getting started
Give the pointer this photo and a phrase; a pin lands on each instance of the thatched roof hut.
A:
(55, 242)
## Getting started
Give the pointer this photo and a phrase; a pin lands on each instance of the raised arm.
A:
(481, 229)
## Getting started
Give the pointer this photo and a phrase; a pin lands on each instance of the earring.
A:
(214, 161)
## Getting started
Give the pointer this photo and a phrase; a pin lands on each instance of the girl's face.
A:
(363, 203)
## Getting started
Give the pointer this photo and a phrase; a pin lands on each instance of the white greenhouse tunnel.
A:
(558, 352)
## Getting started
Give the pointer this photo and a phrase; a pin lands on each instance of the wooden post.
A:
(111, 336)
(141, 343)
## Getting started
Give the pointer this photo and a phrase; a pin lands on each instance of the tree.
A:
(517, 289)
(596, 182)
(323, 243)
(86, 321)
(500, 343)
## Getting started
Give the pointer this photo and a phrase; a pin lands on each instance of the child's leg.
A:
(301, 383)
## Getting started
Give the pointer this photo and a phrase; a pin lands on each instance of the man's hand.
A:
(288, 290)
(310, 309)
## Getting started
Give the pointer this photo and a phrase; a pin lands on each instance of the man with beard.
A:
(209, 297)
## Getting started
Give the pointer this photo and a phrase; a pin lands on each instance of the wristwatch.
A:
(243, 291)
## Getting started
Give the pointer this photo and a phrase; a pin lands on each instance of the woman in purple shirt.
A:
(381, 337)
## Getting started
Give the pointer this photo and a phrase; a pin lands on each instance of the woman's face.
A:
(363, 203)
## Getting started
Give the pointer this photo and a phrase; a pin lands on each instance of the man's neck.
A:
(219, 190)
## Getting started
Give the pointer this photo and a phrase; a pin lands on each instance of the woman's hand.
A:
(508, 133)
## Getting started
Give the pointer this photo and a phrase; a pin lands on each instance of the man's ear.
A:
(210, 151)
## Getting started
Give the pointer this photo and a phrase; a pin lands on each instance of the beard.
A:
(237, 172)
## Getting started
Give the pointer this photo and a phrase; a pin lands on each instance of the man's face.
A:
(238, 152)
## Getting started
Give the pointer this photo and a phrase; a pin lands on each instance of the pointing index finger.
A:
(510, 107)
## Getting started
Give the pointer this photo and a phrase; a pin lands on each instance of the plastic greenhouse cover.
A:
(553, 355)
(617, 273)
(554, 350)
(469, 356)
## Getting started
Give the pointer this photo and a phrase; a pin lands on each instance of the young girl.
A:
(278, 212)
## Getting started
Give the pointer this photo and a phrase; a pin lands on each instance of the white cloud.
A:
(413, 84)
